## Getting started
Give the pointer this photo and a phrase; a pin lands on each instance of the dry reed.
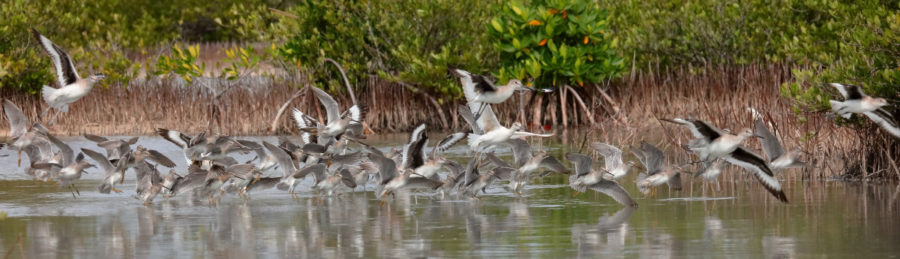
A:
(627, 114)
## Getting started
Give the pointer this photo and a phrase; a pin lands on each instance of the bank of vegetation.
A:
(613, 63)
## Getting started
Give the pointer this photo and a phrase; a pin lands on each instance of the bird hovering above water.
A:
(71, 86)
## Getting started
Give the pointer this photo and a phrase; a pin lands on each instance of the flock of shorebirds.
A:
(337, 159)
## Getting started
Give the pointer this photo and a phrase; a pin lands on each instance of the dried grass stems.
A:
(625, 110)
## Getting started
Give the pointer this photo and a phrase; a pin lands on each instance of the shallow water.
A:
(824, 218)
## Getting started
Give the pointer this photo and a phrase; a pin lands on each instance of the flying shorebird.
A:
(115, 148)
(494, 133)
(855, 101)
(713, 143)
(656, 172)
(338, 123)
(113, 173)
(479, 89)
(20, 136)
(527, 163)
(586, 177)
(71, 86)
(68, 173)
(778, 158)
(612, 157)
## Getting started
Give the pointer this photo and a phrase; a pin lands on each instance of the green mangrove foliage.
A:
(401, 40)
(555, 42)
(853, 42)
(111, 36)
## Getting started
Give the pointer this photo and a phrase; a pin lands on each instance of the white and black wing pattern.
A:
(302, 123)
(700, 129)
(884, 119)
(356, 113)
(179, 139)
(17, 121)
(771, 146)
(850, 92)
(65, 69)
(450, 140)
(760, 169)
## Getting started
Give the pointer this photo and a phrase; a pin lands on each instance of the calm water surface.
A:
(838, 219)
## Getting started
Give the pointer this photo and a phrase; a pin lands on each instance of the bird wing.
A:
(614, 190)
(884, 119)
(17, 121)
(746, 159)
(481, 84)
(95, 138)
(450, 140)
(496, 160)
(502, 173)
(467, 115)
(101, 160)
(179, 139)
(521, 151)
(850, 92)
(347, 178)
(550, 162)
(356, 113)
(303, 122)
(347, 159)
(315, 169)
(529, 134)
(284, 160)
(653, 156)
(699, 129)
(487, 121)
(675, 182)
(241, 170)
(331, 106)
(65, 69)
(417, 133)
(422, 182)
(581, 162)
(161, 159)
(67, 153)
(387, 169)
(612, 155)
(770, 144)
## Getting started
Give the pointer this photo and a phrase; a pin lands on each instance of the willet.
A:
(482, 181)
(116, 148)
(612, 157)
(717, 142)
(183, 141)
(149, 184)
(778, 158)
(855, 101)
(478, 89)
(68, 173)
(657, 172)
(586, 177)
(112, 173)
(71, 86)
(527, 163)
(20, 136)
(288, 167)
(337, 122)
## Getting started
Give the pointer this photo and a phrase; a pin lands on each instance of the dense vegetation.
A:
(414, 42)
